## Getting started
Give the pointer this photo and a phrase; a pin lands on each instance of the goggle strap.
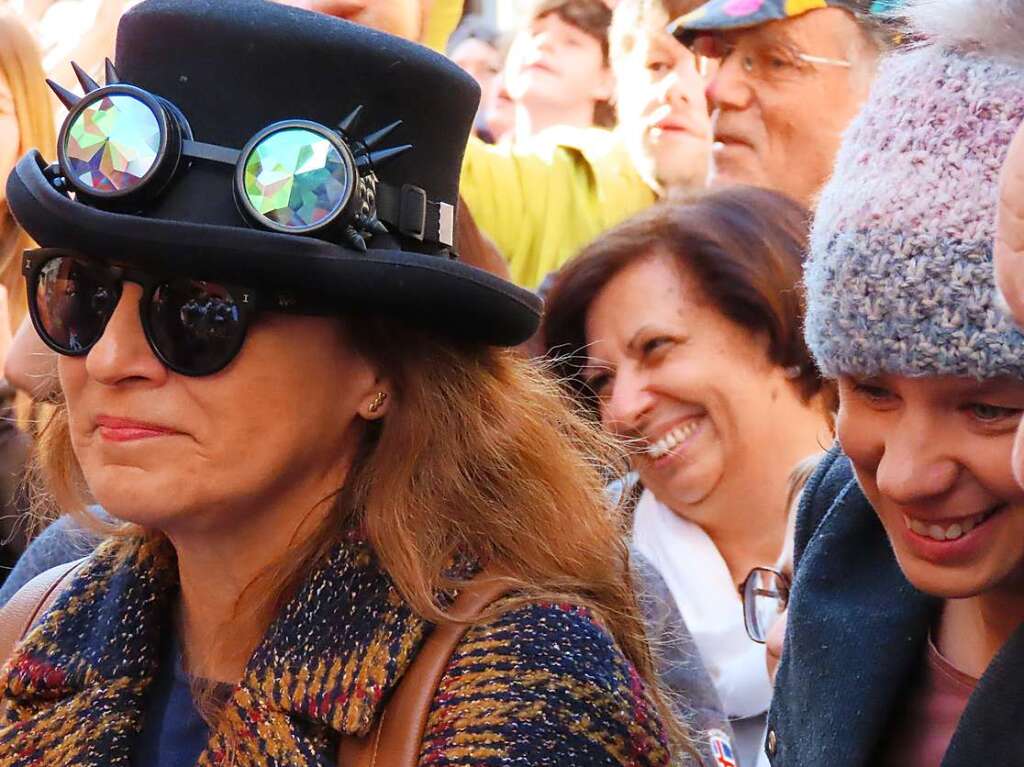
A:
(408, 210)
(211, 152)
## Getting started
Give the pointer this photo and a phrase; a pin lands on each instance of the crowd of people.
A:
(639, 386)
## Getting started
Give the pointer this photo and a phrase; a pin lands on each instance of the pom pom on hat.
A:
(992, 27)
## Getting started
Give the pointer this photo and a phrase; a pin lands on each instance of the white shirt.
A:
(702, 586)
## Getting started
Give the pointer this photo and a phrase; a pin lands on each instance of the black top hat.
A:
(218, 73)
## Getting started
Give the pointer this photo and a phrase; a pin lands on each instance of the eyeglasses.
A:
(762, 60)
(195, 327)
(765, 594)
(120, 147)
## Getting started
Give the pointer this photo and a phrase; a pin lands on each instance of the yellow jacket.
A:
(542, 204)
(440, 22)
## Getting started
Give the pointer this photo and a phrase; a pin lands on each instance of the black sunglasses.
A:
(195, 327)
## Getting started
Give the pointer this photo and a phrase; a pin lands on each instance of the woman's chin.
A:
(687, 488)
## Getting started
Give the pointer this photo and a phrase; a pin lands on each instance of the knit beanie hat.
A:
(900, 277)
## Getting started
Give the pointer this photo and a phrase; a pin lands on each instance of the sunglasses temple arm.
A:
(199, 151)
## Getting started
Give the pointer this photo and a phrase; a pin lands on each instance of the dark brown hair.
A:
(743, 247)
(594, 18)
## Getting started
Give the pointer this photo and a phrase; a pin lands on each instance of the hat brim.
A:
(721, 15)
(446, 295)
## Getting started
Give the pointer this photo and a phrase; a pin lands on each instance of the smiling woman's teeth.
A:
(672, 440)
(946, 532)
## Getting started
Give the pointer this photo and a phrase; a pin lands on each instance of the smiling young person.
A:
(295, 401)
(558, 72)
(681, 327)
(909, 581)
(663, 118)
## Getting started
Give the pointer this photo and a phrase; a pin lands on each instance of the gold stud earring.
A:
(378, 401)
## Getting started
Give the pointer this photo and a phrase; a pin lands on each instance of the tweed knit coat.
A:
(542, 684)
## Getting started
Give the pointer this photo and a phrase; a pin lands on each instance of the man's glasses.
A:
(195, 327)
(765, 595)
(762, 60)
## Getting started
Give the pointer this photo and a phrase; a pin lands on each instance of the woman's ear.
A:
(376, 404)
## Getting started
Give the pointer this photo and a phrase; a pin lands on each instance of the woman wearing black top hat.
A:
(293, 398)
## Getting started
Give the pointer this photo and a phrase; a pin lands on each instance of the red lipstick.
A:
(126, 430)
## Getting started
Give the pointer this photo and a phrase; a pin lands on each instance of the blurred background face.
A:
(663, 114)
(193, 454)
(10, 135)
(500, 112)
(482, 61)
(553, 63)
(693, 389)
(932, 455)
(779, 119)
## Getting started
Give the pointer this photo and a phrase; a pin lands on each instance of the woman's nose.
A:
(123, 354)
(914, 467)
(629, 404)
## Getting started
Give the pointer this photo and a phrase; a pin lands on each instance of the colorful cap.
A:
(718, 15)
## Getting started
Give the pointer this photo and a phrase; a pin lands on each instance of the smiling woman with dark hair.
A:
(682, 328)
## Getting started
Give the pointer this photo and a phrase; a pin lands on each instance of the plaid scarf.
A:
(535, 686)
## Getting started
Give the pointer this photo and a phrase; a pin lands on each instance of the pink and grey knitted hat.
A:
(900, 278)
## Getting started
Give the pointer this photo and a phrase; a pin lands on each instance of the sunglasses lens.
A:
(112, 144)
(73, 301)
(197, 327)
(296, 179)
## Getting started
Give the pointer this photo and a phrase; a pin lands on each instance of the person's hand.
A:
(1009, 244)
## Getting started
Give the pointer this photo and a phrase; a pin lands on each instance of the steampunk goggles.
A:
(120, 147)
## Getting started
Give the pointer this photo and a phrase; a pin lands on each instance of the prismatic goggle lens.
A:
(296, 179)
(112, 144)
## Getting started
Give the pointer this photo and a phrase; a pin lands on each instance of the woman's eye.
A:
(658, 67)
(872, 392)
(598, 384)
(991, 413)
(653, 345)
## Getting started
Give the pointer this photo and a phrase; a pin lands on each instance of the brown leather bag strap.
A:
(396, 738)
(30, 603)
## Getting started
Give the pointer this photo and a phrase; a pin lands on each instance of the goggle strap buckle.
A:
(413, 215)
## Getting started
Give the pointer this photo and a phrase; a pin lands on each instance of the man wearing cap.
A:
(791, 76)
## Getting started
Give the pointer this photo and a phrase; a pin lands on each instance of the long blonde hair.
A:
(481, 454)
(21, 65)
